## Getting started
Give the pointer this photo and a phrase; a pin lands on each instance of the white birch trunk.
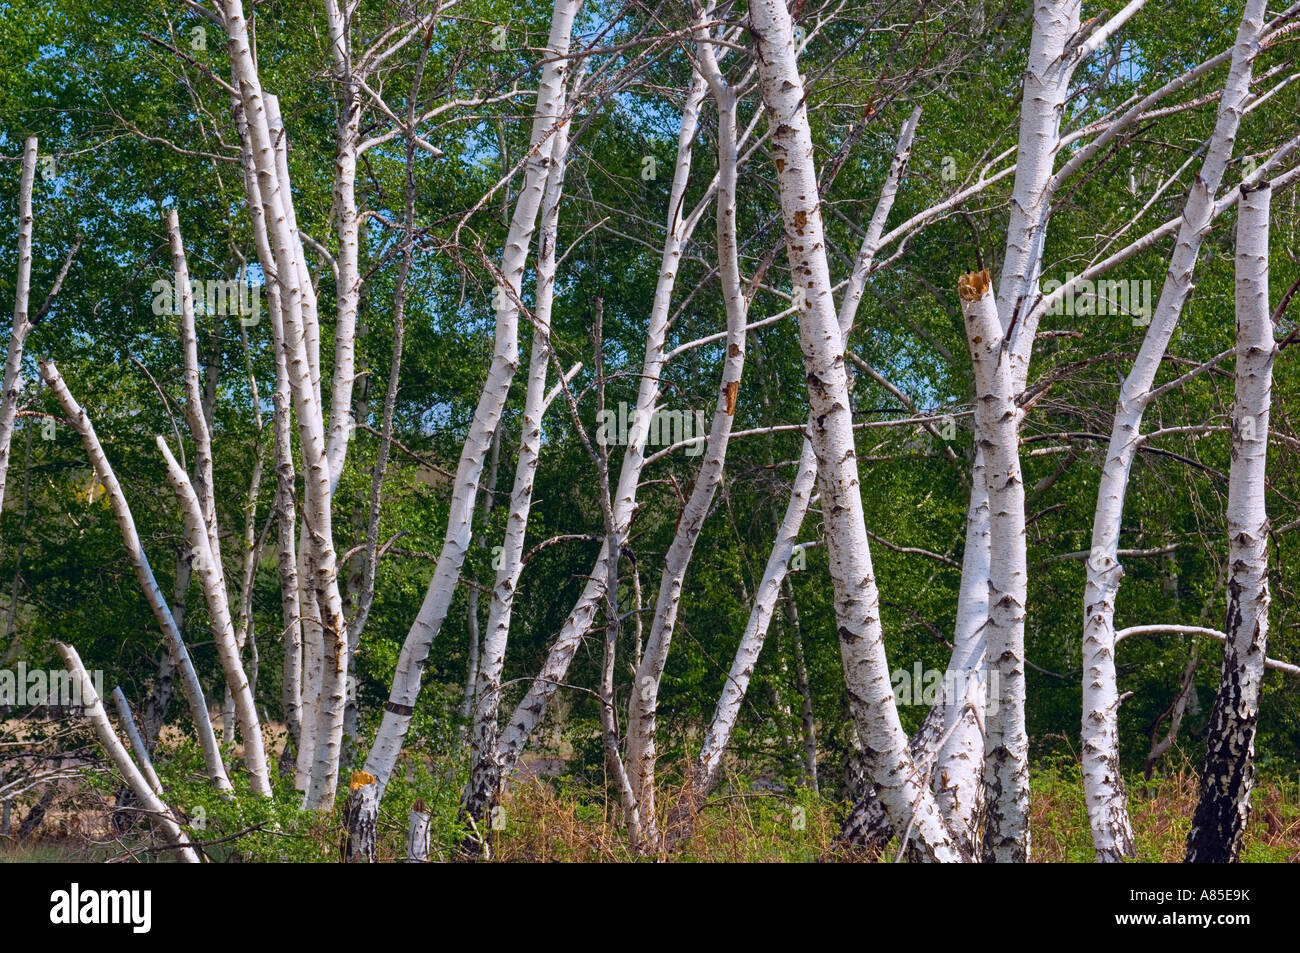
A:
(643, 701)
(138, 746)
(997, 426)
(348, 228)
(204, 487)
(1043, 95)
(1103, 785)
(190, 685)
(282, 424)
(21, 324)
(505, 360)
(727, 710)
(140, 786)
(417, 834)
(485, 775)
(222, 625)
(302, 340)
(909, 803)
(529, 712)
(1229, 770)
(1002, 332)
(776, 571)
(959, 766)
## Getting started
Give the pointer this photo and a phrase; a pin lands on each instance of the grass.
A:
(564, 820)
(543, 823)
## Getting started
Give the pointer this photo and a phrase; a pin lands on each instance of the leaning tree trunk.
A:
(487, 415)
(190, 684)
(321, 599)
(643, 700)
(221, 623)
(484, 692)
(775, 573)
(528, 713)
(21, 324)
(908, 801)
(1112, 833)
(140, 786)
(1229, 770)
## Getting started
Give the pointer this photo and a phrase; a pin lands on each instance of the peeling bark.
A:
(908, 802)
(1229, 770)
(1103, 784)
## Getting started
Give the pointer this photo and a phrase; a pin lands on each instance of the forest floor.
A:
(543, 825)
(560, 819)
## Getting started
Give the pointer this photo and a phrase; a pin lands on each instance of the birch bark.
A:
(348, 228)
(1229, 770)
(410, 665)
(222, 625)
(528, 713)
(643, 701)
(285, 474)
(204, 487)
(140, 786)
(484, 783)
(138, 746)
(776, 570)
(21, 324)
(1112, 833)
(302, 339)
(190, 685)
(997, 426)
(909, 802)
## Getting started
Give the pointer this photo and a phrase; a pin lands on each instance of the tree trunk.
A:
(487, 415)
(997, 434)
(140, 786)
(1112, 833)
(528, 713)
(21, 323)
(643, 700)
(909, 803)
(144, 574)
(1229, 771)
(483, 787)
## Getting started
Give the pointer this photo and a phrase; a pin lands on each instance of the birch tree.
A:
(909, 804)
(529, 712)
(485, 778)
(410, 666)
(640, 756)
(190, 685)
(135, 778)
(1229, 769)
(22, 325)
(1107, 808)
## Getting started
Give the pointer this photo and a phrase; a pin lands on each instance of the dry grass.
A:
(573, 825)
(561, 820)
